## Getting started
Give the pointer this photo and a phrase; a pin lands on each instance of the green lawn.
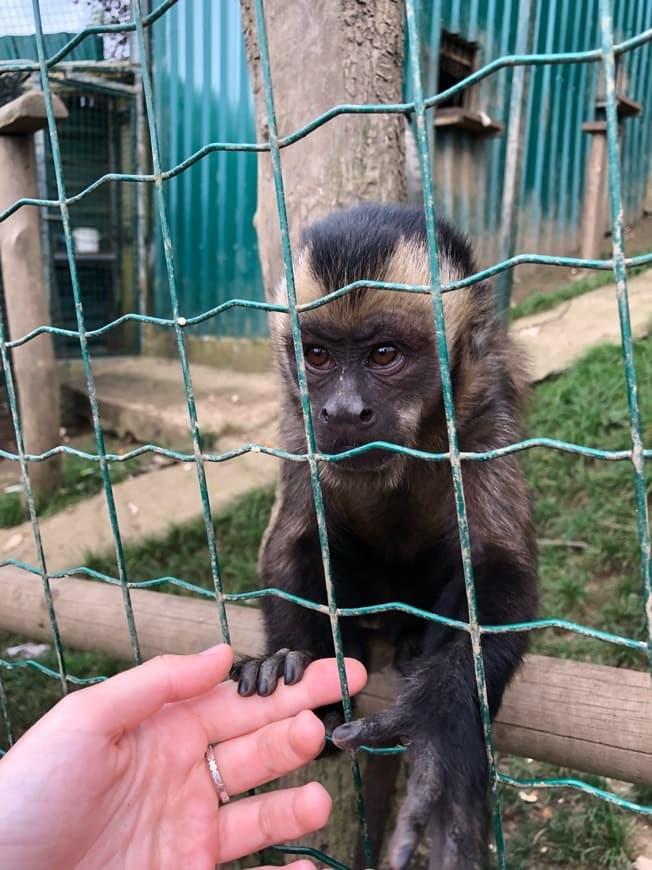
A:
(589, 561)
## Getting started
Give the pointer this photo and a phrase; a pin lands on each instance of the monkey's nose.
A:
(347, 415)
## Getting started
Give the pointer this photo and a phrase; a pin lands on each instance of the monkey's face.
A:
(376, 380)
(370, 356)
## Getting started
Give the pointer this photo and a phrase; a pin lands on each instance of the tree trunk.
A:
(322, 55)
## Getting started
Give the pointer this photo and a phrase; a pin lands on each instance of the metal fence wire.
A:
(606, 55)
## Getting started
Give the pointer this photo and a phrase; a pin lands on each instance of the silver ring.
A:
(222, 793)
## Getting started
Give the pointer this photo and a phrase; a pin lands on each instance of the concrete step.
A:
(144, 397)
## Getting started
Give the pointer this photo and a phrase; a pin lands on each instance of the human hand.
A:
(114, 776)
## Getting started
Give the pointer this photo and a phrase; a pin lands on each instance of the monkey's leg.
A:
(380, 775)
(455, 842)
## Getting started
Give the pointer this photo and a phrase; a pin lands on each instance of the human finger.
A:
(271, 751)
(225, 714)
(256, 822)
(125, 700)
(295, 865)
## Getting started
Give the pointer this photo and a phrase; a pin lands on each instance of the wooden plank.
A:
(578, 715)
(474, 122)
(581, 715)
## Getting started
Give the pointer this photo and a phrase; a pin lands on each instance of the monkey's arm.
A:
(437, 716)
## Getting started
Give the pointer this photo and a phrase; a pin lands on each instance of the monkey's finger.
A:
(295, 664)
(271, 669)
(379, 730)
(261, 675)
(225, 715)
(424, 790)
(246, 676)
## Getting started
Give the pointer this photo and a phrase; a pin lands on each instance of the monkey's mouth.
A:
(366, 461)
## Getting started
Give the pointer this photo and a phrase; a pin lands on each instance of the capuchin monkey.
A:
(373, 375)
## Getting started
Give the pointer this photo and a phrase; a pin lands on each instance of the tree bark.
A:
(322, 55)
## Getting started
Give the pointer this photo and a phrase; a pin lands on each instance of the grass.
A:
(30, 693)
(183, 552)
(535, 303)
(81, 478)
(561, 827)
(590, 573)
(589, 559)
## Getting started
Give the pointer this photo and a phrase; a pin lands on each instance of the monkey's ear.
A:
(479, 337)
(279, 294)
(482, 328)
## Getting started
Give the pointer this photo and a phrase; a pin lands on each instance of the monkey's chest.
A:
(374, 572)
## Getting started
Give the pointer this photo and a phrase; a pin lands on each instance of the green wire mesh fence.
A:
(605, 55)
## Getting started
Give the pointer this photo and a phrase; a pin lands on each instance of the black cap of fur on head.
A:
(360, 243)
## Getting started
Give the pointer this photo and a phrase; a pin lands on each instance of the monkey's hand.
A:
(261, 675)
(446, 790)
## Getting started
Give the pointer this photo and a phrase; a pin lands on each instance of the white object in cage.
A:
(86, 240)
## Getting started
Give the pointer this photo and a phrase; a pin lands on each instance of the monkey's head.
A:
(370, 356)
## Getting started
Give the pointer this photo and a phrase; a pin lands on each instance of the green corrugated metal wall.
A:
(564, 96)
(203, 95)
(560, 99)
(24, 47)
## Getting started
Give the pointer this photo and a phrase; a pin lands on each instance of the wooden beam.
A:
(26, 114)
(595, 196)
(574, 714)
(25, 293)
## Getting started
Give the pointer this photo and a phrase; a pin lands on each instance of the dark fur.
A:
(391, 520)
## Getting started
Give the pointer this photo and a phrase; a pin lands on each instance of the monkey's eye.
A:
(383, 356)
(318, 357)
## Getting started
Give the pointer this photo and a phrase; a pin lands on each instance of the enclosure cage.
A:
(86, 199)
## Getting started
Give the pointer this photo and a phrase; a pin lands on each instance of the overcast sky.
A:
(58, 16)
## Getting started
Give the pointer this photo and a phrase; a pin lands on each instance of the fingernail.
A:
(290, 675)
(244, 688)
(263, 688)
(344, 733)
(211, 649)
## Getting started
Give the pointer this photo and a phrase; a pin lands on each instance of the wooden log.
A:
(578, 715)
(24, 285)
